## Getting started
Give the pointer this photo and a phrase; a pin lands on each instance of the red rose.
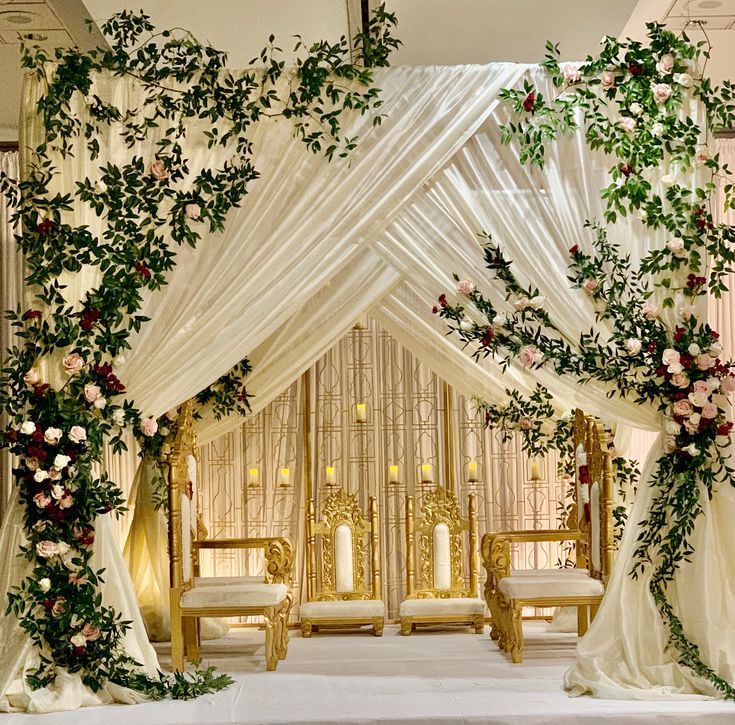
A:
(434, 310)
(37, 452)
(88, 318)
(635, 69)
(574, 249)
(32, 314)
(79, 651)
(45, 226)
(85, 536)
(40, 390)
(679, 395)
(12, 434)
(626, 170)
(714, 335)
(651, 347)
(724, 429)
(529, 102)
(143, 271)
(679, 334)
(443, 300)
(661, 370)
(487, 337)
(584, 474)
(103, 370)
(48, 604)
(686, 360)
(700, 222)
(698, 211)
(37, 435)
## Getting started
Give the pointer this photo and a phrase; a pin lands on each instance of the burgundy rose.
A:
(714, 335)
(724, 428)
(626, 170)
(88, 317)
(443, 300)
(635, 69)
(37, 452)
(45, 226)
(32, 315)
(104, 369)
(143, 271)
(686, 360)
(84, 536)
(651, 347)
(529, 102)
(661, 371)
(574, 249)
(48, 604)
(79, 651)
(679, 395)
(487, 337)
(679, 334)
(40, 390)
(12, 434)
(434, 310)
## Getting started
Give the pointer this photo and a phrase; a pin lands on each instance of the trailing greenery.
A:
(632, 102)
(59, 385)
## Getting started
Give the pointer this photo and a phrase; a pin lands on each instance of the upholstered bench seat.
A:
(569, 571)
(454, 606)
(234, 595)
(541, 587)
(212, 581)
(365, 609)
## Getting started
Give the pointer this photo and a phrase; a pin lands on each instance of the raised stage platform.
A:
(441, 676)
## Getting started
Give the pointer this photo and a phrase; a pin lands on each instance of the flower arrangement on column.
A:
(633, 102)
(59, 386)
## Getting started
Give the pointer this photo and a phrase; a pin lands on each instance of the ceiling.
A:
(434, 32)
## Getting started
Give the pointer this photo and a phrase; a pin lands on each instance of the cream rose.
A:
(607, 79)
(78, 640)
(658, 129)
(77, 434)
(698, 399)
(148, 426)
(465, 287)
(672, 427)
(44, 584)
(683, 79)
(46, 549)
(100, 403)
(680, 380)
(91, 393)
(521, 303)
(40, 475)
(500, 320)
(665, 63)
(158, 170)
(682, 408)
(32, 377)
(73, 363)
(636, 109)
(118, 417)
(28, 428)
(633, 346)
(661, 92)
(650, 311)
(466, 324)
(52, 435)
(676, 247)
(192, 211)
(670, 356)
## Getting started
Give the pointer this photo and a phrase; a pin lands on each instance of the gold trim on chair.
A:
(270, 598)
(439, 508)
(508, 592)
(341, 509)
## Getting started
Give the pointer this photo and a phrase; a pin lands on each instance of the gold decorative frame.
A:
(440, 506)
(506, 614)
(279, 555)
(342, 508)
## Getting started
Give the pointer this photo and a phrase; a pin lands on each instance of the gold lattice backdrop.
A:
(405, 426)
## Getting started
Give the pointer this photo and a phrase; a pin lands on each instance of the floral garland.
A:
(630, 96)
(57, 431)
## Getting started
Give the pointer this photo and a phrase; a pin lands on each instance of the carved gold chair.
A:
(508, 591)
(336, 554)
(441, 596)
(192, 598)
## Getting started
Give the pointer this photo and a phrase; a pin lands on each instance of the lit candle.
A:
(392, 474)
(361, 413)
(331, 478)
(284, 477)
(472, 471)
(253, 478)
(535, 471)
(427, 474)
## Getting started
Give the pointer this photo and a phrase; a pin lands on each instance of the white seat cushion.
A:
(211, 581)
(234, 595)
(541, 587)
(569, 571)
(343, 609)
(460, 606)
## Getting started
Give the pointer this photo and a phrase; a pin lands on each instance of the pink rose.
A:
(590, 285)
(680, 380)
(571, 73)
(526, 423)
(148, 426)
(77, 434)
(158, 170)
(628, 124)
(67, 500)
(709, 410)
(665, 64)
(728, 384)
(90, 632)
(529, 355)
(192, 211)
(702, 157)
(670, 356)
(91, 393)
(32, 377)
(683, 408)
(661, 92)
(650, 311)
(465, 287)
(607, 79)
(77, 580)
(702, 386)
(59, 607)
(41, 500)
(46, 549)
(676, 247)
(521, 303)
(73, 363)
(686, 311)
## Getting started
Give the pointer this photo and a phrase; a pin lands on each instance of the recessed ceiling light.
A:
(709, 4)
(17, 18)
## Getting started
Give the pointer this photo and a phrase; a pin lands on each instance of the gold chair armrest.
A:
(279, 553)
(533, 535)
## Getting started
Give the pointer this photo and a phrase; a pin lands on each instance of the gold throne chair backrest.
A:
(343, 565)
(436, 590)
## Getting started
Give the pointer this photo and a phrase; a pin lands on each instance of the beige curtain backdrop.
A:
(405, 427)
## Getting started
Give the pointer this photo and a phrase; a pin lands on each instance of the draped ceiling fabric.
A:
(403, 213)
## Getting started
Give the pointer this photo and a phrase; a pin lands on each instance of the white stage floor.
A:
(432, 676)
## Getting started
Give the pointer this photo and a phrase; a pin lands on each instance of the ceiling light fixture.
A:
(37, 37)
(17, 18)
(709, 4)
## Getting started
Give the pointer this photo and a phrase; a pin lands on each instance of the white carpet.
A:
(432, 676)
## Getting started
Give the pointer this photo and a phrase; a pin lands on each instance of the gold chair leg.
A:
(271, 638)
(593, 611)
(516, 645)
(479, 624)
(177, 641)
(282, 645)
(406, 626)
(378, 624)
(582, 620)
(191, 640)
(305, 628)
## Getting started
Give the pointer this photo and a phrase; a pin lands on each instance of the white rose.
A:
(77, 434)
(61, 461)
(52, 435)
(500, 320)
(40, 475)
(683, 79)
(537, 302)
(676, 247)
(657, 129)
(466, 324)
(57, 491)
(633, 346)
(44, 584)
(28, 428)
(672, 427)
(118, 417)
(715, 349)
(670, 356)
(714, 383)
(636, 109)
(698, 399)
(78, 640)
(63, 548)
(692, 450)
(675, 367)
(694, 349)
(100, 403)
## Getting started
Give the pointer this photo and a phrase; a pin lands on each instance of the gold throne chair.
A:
(192, 597)
(442, 596)
(336, 557)
(508, 590)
